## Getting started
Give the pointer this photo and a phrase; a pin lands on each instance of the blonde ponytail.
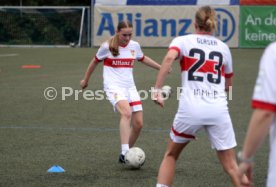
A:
(206, 19)
(114, 45)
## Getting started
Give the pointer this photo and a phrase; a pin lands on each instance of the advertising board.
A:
(257, 26)
(156, 27)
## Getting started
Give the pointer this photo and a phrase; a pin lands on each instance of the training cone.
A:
(55, 169)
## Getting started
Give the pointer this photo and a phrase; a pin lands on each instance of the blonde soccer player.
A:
(206, 73)
(119, 54)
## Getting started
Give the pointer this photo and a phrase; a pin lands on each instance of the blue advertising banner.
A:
(163, 2)
(217, 2)
(166, 2)
(158, 26)
(234, 2)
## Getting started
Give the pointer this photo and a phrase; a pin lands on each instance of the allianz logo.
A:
(226, 24)
(154, 27)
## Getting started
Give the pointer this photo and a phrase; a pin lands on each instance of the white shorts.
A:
(220, 133)
(115, 94)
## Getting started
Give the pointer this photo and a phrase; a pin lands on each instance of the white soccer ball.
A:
(135, 157)
(166, 91)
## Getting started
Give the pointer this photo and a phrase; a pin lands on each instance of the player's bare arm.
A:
(228, 83)
(151, 63)
(91, 67)
(259, 125)
(258, 129)
(165, 69)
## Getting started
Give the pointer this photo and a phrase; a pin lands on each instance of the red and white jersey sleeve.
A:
(103, 52)
(264, 96)
(118, 71)
(228, 67)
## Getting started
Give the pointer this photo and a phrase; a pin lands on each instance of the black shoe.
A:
(122, 159)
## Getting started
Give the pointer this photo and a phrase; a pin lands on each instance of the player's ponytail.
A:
(206, 19)
(114, 45)
(114, 41)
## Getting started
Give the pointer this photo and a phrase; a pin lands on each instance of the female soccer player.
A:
(118, 55)
(263, 118)
(206, 71)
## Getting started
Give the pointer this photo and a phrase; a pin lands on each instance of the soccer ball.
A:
(166, 91)
(135, 157)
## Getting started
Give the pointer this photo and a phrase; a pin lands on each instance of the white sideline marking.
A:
(78, 129)
(8, 55)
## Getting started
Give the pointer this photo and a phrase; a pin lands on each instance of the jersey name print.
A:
(206, 41)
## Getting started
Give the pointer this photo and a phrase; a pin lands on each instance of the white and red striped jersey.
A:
(264, 97)
(118, 71)
(205, 62)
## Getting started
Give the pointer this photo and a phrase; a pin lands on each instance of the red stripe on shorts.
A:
(135, 103)
(182, 134)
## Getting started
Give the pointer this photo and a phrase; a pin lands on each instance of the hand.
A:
(158, 98)
(246, 174)
(83, 84)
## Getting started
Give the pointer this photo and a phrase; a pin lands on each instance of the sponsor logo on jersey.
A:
(119, 63)
(132, 53)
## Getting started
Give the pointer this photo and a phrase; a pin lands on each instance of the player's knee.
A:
(126, 114)
(138, 124)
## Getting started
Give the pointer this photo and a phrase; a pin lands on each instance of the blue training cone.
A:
(55, 169)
